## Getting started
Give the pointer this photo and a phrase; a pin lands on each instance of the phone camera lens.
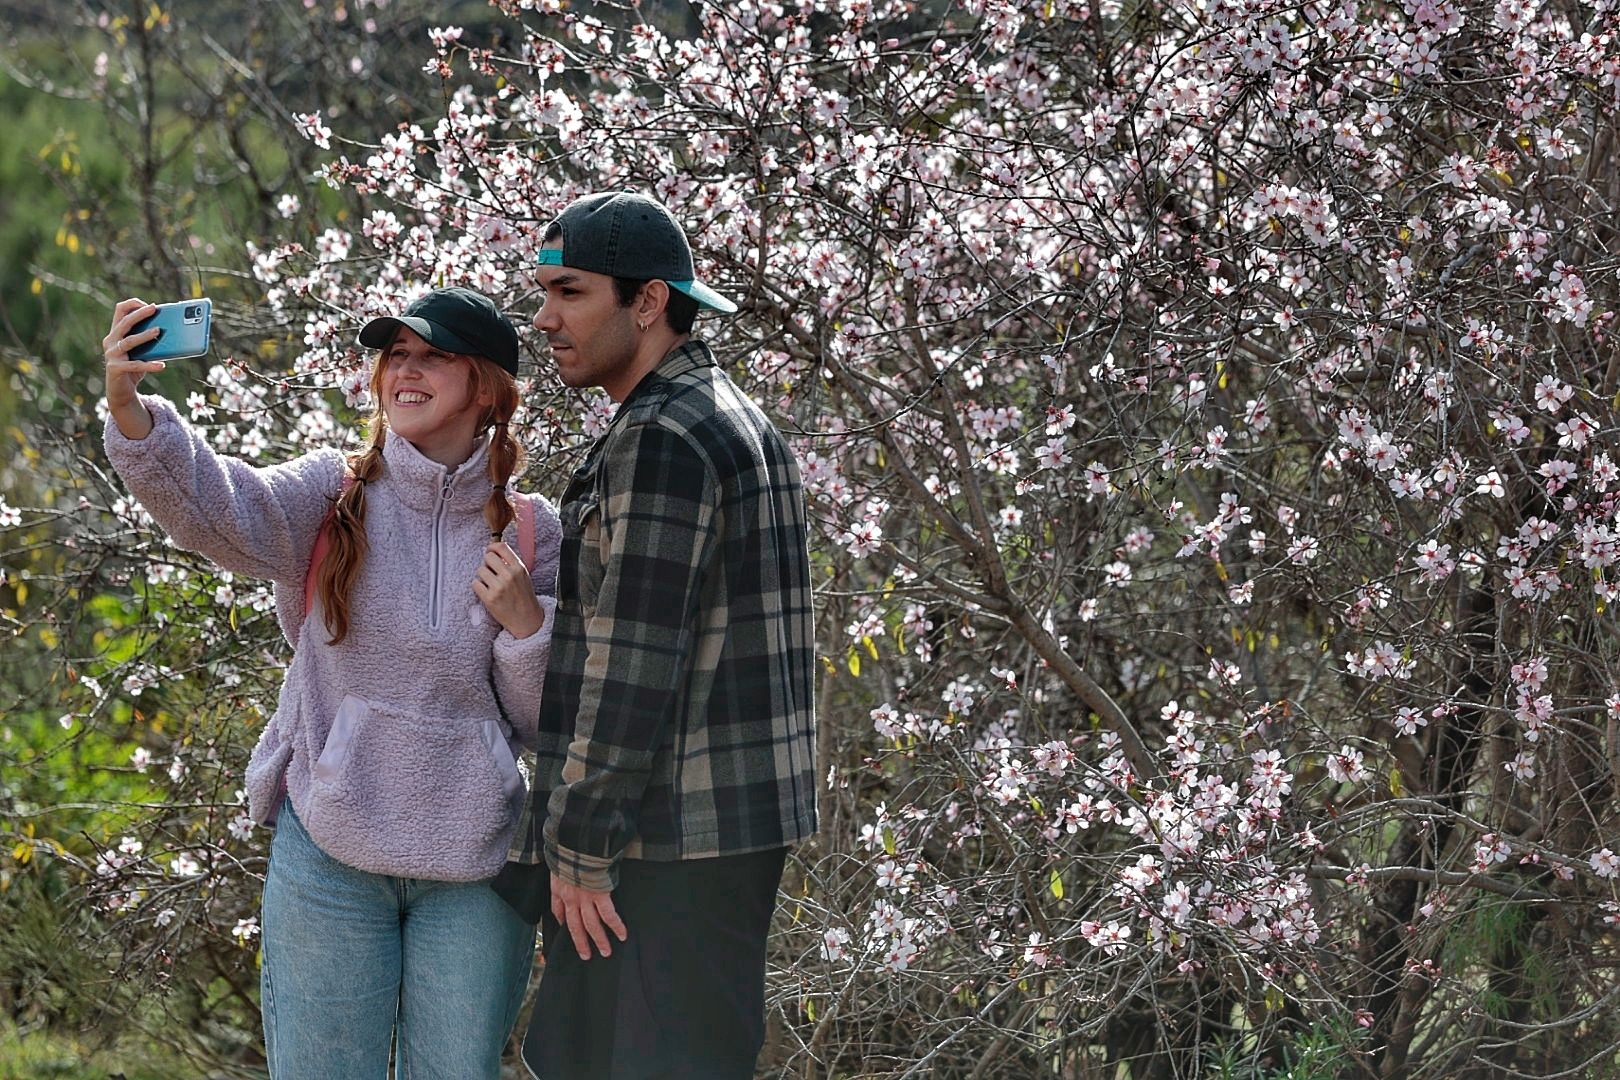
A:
(193, 312)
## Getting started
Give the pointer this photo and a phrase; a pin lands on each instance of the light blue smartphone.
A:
(186, 327)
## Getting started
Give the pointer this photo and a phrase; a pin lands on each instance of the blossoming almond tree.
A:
(1207, 416)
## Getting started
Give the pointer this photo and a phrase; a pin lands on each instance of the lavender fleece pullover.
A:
(398, 745)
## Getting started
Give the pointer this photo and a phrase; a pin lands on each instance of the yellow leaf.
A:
(1395, 787)
(1220, 570)
(854, 663)
(1057, 884)
(871, 648)
(810, 1009)
(22, 851)
(888, 840)
(36, 286)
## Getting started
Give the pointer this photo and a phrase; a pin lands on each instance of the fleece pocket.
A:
(394, 791)
(265, 770)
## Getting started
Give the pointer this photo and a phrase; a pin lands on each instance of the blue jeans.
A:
(355, 963)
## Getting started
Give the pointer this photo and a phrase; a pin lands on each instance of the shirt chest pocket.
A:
(584, 551)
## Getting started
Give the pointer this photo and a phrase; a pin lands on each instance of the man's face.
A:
(592, 338)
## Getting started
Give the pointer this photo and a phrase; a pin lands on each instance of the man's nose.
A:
(543, 320)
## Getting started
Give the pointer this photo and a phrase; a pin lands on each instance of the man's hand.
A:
(588, 914)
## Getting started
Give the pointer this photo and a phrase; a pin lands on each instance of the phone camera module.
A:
(193, 313)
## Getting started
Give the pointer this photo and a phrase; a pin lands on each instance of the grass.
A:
(55, 1055)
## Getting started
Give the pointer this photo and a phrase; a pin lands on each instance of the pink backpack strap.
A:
(322, 542)
(525, 529)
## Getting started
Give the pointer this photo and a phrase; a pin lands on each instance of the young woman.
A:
(388, 768)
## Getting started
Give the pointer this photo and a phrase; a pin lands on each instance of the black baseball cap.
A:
(456, 320)
(626, 235)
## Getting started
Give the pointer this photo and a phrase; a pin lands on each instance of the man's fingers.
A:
(598, 932)
(576, 930)
(610, 916)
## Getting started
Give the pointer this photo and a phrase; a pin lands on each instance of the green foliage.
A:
(50, 954)
(1324, 1051)
(50, 1054)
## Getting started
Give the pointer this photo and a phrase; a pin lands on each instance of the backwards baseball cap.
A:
(622, 234)
(456, 320)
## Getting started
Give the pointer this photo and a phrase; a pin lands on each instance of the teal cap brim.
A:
(704, 295)
(698, 291)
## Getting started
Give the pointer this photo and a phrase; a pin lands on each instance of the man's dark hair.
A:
(680, 312)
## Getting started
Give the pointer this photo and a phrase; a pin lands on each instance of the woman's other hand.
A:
(502, 584)
(124, 375)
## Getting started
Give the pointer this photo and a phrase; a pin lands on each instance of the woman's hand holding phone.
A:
(124, 375)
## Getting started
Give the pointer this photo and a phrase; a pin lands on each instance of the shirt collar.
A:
(689, 355)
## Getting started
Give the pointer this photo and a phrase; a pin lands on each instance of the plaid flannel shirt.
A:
(677, 720)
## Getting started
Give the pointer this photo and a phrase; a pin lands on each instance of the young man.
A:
(676, 760)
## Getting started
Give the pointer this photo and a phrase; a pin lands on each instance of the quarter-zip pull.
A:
(436, 559)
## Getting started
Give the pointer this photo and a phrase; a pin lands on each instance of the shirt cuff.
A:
(584, 871)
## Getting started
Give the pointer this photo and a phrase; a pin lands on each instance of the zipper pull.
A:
(444, 494)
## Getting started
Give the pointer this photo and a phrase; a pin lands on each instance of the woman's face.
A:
(428, 397)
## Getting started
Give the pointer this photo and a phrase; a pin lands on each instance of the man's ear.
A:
(651, 302)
